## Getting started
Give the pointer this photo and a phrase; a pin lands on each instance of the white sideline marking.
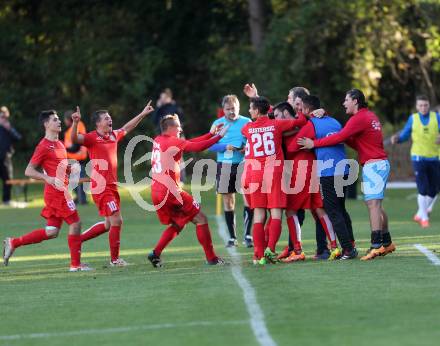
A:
(118, 330)
(433, 258)
(256, 314)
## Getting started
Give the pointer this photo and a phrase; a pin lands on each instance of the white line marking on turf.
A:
(256, 314)
(433, 258)
(119, 329)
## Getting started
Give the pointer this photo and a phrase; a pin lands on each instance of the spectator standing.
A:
(8, 135)
(76, 152)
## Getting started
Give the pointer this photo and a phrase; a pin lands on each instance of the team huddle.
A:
(287, 158)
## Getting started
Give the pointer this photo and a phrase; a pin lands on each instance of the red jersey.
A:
(104, 148)
(265, 137)
(52, 157)
(167, 153)
(363, 132)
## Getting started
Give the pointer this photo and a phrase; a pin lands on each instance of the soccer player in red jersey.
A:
(50, 155)
(262, 177)
(305, 194)
(174, 206)
(363, 132)
(102, 145)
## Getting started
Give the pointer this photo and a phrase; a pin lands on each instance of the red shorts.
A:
(264, 191)
(58, 209)
(171, 210)
(302, 184)
(108, 201)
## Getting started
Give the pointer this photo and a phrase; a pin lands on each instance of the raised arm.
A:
(133, 123)
(76, 137)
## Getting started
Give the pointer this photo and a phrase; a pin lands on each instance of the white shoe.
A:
(8, 250)
(82, 268)
(119, 263)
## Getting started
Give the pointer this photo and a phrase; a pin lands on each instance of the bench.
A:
(23, 184)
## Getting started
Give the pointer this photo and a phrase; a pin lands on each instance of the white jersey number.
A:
(155, 158)
(263, 144)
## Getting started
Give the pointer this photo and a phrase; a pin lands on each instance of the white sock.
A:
(419, 203)
(422, 213)
(431, 204)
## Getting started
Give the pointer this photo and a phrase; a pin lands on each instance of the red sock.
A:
(274, 233)
(295, 232)
(167, 236)
(266, 232)
(114, 240)
(204, 238)
(33, 237)
(259, 242)
(94, 231)
(328, 229)
(74, 241)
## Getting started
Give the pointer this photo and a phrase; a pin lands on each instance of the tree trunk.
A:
(256, 23)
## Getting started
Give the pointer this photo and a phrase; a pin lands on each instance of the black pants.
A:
(81, 197)
(6, 174)
(335, 209)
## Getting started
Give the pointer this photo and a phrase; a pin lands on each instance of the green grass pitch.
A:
(393, 300)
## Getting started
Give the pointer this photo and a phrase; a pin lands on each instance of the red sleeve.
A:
(120, 134)
(201, 138)
(351, 142)
(38, 156)
(88, 139)
(308, 131)
(200, 146)
(285, 125)
(353, 127)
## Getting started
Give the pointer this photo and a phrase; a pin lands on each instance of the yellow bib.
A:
(424, 137)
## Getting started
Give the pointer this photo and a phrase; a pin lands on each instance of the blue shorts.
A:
(374, 179)
(427, 177)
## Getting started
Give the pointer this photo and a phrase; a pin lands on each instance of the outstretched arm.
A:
(76, 137)
(405, 134)
(131, 125)
(306, 131)
(205, 144)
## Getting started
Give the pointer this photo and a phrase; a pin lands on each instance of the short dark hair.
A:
(312, 102)
(96, 116)
(358, 95)
(285, 106)
(300, 92)
(167, 121)
(45, 116)
(422, 97)
(261, 103)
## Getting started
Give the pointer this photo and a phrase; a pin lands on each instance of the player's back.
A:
(264, 140)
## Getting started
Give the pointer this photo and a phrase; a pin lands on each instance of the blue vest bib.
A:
(324, 127)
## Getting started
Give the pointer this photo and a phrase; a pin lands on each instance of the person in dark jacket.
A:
(8, 135)
(165, 105)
